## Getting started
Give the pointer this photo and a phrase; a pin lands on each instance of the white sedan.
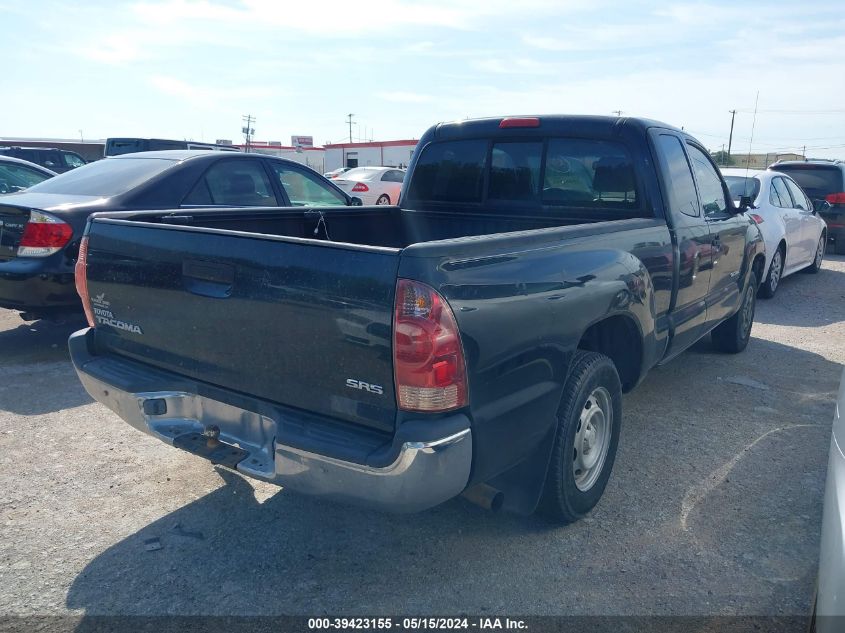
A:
(793, 232)
(374, 185)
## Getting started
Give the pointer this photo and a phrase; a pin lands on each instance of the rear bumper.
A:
(426, 463)
(37, 284)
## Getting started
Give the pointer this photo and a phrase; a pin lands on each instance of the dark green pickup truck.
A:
(475, 339)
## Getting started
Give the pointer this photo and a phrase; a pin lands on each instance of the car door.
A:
(233, 182)
(791, 221)
(809, 235)
(727, 231)
(688, 312)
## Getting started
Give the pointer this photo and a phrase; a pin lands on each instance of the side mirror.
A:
(745, 203)
(821, 206)
(356, 201)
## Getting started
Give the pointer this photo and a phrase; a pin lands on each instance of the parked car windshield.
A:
(106, 178)
(743, 186)
(817, 181)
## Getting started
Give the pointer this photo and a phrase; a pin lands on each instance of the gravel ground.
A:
(714, 506)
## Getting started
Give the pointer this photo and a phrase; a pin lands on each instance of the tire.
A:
(817, 260)
(733, 335)
(770, 286)
(383, 199)
(591, 407)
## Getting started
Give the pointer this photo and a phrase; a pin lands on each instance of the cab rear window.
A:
(550, 173)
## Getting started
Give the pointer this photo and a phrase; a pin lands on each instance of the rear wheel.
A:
(770, 285)
(383, 199)
(817, 260)
(733, 335)
(586, 438)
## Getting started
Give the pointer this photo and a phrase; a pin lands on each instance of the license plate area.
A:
(214, 450)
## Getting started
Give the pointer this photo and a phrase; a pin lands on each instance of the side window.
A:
(72, 160)
(785, 202)
(710, 188)
(797, 195)
(394, 175)
(236, 183)
(682, 195)
(53, 160)
(305, 190)
(515, 171)
(774, 197)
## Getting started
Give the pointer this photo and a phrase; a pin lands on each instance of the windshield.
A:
(817, 181)
(105, 178)
(743, 186)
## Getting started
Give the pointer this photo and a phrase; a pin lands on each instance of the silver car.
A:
(830, 605)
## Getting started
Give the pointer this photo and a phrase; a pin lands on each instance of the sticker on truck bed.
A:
(104, 315)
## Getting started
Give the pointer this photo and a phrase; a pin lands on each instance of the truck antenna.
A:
(751, 141)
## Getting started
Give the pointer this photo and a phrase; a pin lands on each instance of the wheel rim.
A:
(747, 313)
(592, 439)
(775, 270)
(820, 252)
(382, 200)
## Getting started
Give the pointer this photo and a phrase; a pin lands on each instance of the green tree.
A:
(723, 159)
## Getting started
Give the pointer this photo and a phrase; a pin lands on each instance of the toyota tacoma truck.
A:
(475, 339)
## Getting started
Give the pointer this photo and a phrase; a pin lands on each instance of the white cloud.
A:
(114, 49)
(518, 66)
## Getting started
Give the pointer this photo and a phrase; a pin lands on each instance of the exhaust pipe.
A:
(485, 496)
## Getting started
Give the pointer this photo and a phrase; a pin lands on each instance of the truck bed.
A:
(382, 226)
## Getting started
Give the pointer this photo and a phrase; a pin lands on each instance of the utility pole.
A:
(731, 136)
(349, 120)
(248, 130)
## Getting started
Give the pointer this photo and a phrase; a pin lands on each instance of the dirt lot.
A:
(714, 506)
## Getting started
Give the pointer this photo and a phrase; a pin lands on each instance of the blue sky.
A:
(191, 69)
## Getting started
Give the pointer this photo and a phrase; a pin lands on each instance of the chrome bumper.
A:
(422, 473)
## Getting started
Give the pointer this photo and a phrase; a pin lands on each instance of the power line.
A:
(794, 111)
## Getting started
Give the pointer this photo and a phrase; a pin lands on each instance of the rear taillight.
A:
(757, 218)
(360, 187)
(80, 273)
(428, 359)
(835, 198)
(43, 235)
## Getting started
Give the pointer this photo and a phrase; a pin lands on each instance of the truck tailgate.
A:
(303, 324)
